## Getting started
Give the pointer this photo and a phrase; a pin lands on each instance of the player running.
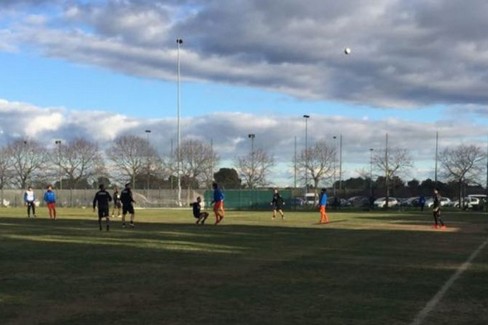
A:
(277, 202)
(127, 204)
(103, 198)
(197, 213)
(218, 202)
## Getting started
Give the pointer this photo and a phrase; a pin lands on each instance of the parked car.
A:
(358, 201)
(410, 202)
(472, 201)
(381, 202)
(445, 202)
(311, 199)
(294, 202)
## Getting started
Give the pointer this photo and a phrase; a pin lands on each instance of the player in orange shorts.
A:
(218, 202)
(323, 205)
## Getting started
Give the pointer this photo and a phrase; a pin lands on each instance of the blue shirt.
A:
(218, 195)
(49, 197)
(323, 199)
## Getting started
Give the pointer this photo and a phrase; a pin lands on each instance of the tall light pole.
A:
(340, 162)
(334, 167)
(251, 176)
(387, 172)
(436, 156)
(148, 163)
(306, 117)
(58, 144)
(179, 42)
(371, 171)
(295, 165)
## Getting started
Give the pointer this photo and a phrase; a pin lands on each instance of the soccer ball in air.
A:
(347, 50)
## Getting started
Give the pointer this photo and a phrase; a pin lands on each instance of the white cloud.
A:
(404, 53)
(228, 132)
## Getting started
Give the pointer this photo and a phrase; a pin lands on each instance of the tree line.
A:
(80, 163)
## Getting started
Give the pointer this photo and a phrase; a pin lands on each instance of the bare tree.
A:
(198, 160)
(5, 173)
(27, 160)
(393, 162)
(131, 155)
(77, 160)
(255, 167)
(463, 163)
(318, 162)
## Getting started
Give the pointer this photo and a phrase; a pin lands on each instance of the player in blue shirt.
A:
(322, 205)
(218, 202)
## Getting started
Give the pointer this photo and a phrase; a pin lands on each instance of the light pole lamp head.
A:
(251, 135)
(306, 116)
(179, 41)
(148, 131)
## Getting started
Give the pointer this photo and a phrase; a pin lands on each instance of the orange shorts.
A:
(219, 206)
(51, 206)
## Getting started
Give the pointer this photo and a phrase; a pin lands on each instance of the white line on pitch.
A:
(438, 296)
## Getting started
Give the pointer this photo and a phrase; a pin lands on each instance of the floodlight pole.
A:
(58, 144)
(148, 163)
(306, 117)
(387, 172)
(335, 167)
(251, 176)
(179, 42)
(295, 165)
(371, 171)
(436, 155)
(340, 163)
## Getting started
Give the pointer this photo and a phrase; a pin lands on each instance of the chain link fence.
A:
(258, 199)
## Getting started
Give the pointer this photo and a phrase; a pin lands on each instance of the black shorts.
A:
(127, 208)
(201, 215)
(117, 205)
(103, 212)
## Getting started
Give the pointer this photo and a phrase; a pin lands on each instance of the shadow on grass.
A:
(67, 271)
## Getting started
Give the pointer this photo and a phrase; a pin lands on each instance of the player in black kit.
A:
(197, 211)
(277, 202)
(103, 199)
(127, 206)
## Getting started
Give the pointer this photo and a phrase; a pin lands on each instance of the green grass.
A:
(362, 268)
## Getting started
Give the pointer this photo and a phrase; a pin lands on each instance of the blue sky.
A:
(50, 82)
(107, 67)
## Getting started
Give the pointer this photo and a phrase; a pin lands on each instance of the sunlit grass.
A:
(362, 268)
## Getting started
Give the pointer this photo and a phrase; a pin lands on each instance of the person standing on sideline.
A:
(103, 199)
(50, 199)
(422, 202)
(323, 205)
(127, 204)
(277, 202)
(436, 210)
(197, 211)
(218, 203)
(117, 203)
(29, 200)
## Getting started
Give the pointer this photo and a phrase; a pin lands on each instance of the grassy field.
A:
(362, 268)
